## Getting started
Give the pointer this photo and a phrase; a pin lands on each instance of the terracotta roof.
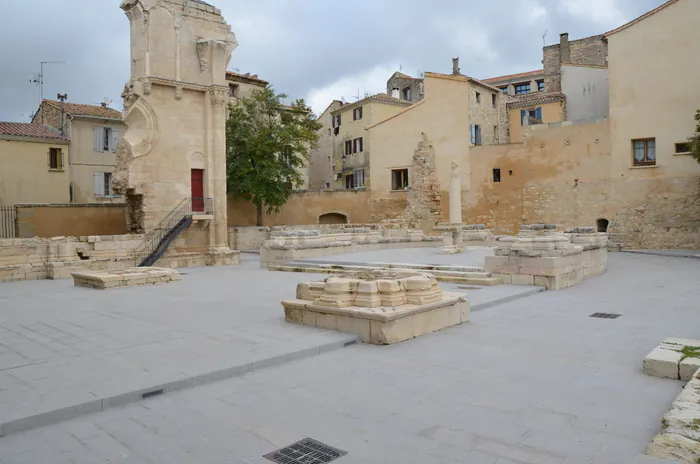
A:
(380, 97)
(403, 76)
(460, 77)
(644, 16)
(76, 109)
(30, 130)
(536, 98)
(389, 98)
(511, 77)
(247, 78)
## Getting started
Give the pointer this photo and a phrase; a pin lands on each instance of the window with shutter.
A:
(538, 113)
(107, 142)
(116, 135)
(523, 113)
(99, 182)
(473, 133)
(98, 139)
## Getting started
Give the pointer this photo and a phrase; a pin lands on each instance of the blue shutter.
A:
(538, 113)
(523, 113)
(473, 131)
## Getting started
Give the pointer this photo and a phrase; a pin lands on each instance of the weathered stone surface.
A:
(382, 307)
(675, 358)
(126, 277)
(680, 434)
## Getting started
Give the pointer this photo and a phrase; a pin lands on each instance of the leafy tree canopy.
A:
(267, 146)
(695, 139)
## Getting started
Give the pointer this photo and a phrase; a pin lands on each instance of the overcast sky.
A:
(316, 49)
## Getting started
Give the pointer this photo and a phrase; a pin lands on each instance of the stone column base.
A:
(222, 256)
(451, 249)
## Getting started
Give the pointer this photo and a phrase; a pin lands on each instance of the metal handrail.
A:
(164, 230)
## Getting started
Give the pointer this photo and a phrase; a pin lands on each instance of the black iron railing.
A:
(179, 219)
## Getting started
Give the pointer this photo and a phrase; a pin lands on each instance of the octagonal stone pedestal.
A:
(131, 277)
(383, 307)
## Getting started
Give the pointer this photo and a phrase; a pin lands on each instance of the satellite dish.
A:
(106, 102)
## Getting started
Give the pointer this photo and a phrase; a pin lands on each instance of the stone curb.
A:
(692, 254)
(507, 299)
(101, 404)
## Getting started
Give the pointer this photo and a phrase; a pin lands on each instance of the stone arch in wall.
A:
(602, 225)
(197, 161)
(333, 218)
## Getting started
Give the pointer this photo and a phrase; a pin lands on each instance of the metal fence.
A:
(7, 221)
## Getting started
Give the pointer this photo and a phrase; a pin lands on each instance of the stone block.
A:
(688, 367)
(518, 279)
(327, 321)
(356, 326)
(662, 362)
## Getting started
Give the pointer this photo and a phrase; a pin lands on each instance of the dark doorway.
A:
(198, 190)
(602, 225)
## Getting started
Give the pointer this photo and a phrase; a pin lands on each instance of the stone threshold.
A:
(64, 412)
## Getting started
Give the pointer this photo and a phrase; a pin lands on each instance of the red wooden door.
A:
(198, 190)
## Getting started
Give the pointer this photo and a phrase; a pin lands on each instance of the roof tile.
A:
(76, 109)
(513, 76)
(23, 129)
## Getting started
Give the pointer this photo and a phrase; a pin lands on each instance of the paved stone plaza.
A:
(530, 380)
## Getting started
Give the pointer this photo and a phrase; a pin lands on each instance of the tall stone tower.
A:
(173, 153)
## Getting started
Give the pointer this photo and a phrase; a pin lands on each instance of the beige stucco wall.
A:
(654, 90)
(372, 111)
(444, 118)
(25, 176)
(551, 112)
(321, 158)
(587, 92)
(85, 161)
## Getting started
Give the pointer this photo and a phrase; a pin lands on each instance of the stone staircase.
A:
(470, 275)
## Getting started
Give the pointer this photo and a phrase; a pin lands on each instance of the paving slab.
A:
(67, 351)
(534, 380)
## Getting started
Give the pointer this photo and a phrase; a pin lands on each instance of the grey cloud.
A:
(297, 45)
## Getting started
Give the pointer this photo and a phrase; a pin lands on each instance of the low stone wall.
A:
(252, 238)
(70, 220)
(541, 255)
(56, 258)
(679, 438)
(288, 245)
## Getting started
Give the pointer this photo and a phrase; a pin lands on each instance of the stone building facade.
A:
(173, 153)
(352, 148)
(405, 87)
(587, 51)
(94, 132)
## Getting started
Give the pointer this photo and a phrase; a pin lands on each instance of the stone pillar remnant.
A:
(174, 149)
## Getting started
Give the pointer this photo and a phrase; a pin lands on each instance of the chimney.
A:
(62, 106)
(564, 52)
(455, 66)
(395, 93)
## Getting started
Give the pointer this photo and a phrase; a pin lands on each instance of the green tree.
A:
(695, 139)
(267, 145)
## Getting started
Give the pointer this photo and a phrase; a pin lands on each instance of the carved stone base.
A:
(451, 250)
(223, 256)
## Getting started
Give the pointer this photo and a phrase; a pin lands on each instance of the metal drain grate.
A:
(306, 451)
(605, 315)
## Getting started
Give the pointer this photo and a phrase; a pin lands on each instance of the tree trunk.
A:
(259, 209)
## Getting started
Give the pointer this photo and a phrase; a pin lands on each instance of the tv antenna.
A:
(358, 94)
(544, 38)
(39, 78)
